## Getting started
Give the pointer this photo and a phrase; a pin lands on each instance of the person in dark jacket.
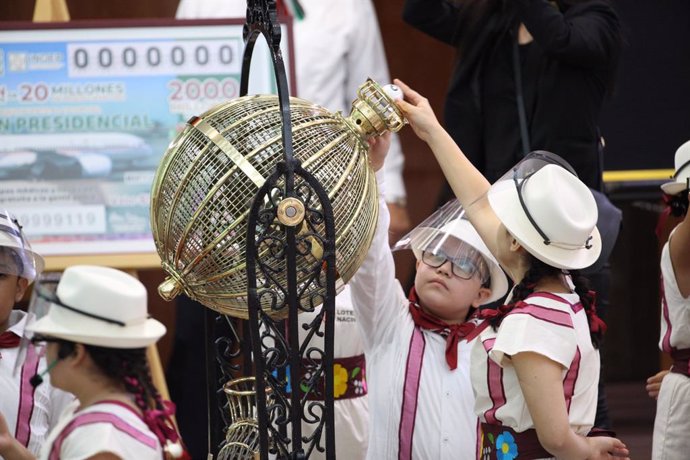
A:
(553, 62)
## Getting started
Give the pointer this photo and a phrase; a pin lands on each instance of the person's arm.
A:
(679, 248)
(10, 448)
(375, 292)
(436, 18)
(468, 184)
(541, 382)
(588, 36)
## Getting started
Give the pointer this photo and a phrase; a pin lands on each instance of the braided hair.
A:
(677, 203)
(130, 367)
(539, 270)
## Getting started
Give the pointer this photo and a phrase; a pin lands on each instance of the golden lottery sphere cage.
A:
(209, 175)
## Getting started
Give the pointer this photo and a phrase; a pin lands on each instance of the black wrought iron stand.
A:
(290, 214)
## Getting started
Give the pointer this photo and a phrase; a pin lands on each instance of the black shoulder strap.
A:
(519, 98)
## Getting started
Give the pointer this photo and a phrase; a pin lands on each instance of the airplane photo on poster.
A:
(58, 156)
(87, 111)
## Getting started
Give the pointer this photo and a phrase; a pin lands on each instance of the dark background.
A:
(646, 120)
(649, 116)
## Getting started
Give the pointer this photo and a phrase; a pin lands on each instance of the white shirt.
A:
(675, 309)
(351, 416)
(102, 427)
(337, 47)
(37, 410)
(555, 326)
(445, 426)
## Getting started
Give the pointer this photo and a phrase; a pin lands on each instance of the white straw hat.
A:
(682, 163)
(556, 219)
(100, 306)
(462, 230)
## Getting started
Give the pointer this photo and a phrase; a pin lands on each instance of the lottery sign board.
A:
(87, 111)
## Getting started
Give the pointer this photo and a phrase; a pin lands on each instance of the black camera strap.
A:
(519, 97)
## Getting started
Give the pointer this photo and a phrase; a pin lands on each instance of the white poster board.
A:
(87, 110)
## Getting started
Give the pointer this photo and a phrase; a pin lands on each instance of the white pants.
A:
(672, 422)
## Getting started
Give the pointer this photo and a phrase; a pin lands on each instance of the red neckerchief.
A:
(9, 339)
(453, 333)
(490, 314)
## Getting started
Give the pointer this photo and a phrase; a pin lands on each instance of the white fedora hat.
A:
(461, 230)
(682, 164)
(100, 306)
(552, 214)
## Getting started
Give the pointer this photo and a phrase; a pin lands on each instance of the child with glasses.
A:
(416, 346)
(535, 364)
(30, 412)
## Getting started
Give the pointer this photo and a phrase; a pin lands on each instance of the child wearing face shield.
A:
(29, 412)
(535, 364)
(95, 334)
(416, 346)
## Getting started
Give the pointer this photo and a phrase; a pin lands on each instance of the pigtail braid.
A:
(597, 327)
(133, 384)
(157, 412)
(130, 367)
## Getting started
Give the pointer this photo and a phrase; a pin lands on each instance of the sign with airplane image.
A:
(88, 109)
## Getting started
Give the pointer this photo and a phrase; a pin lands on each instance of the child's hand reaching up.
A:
(378, 149)
(418, 112)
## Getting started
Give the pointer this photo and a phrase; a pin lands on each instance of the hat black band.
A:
(518, 186)
(683, 166)
(56, 300)
(91, 315)
(547, 240)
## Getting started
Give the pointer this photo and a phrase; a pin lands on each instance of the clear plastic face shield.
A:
(42, 296)
(445, 236)
(16, 256)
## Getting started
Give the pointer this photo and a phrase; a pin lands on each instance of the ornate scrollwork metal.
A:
(242, 224)
(294, 372)
(262, 17)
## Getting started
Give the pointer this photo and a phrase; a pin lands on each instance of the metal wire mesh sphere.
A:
(210, 174)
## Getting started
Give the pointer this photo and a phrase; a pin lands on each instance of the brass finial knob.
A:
(290, 212)
(169, 289)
